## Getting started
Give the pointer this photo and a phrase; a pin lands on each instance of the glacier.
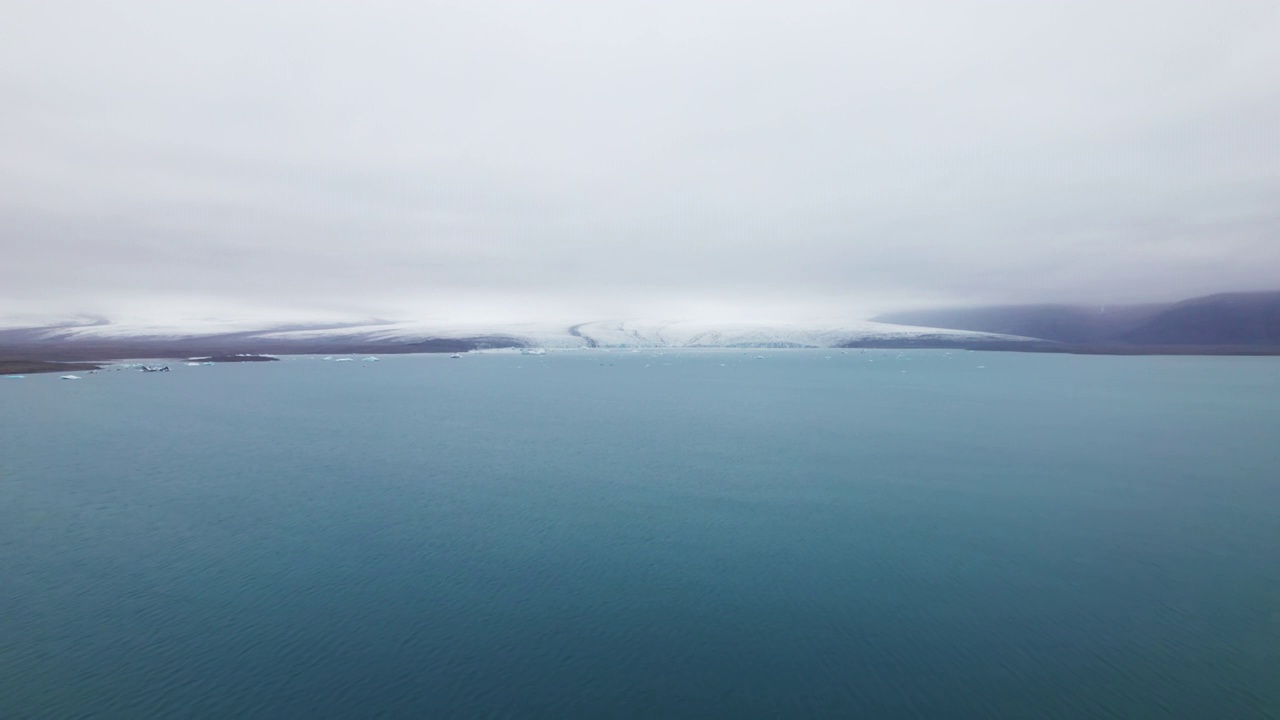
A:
(624, 333)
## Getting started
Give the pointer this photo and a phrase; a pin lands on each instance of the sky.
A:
(582, 160)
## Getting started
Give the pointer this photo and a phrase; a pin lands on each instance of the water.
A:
(696, 534)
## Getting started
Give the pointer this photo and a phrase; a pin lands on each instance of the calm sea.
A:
(610, 535)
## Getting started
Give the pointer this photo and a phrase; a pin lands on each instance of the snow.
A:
(649, 333)
(630, 333)
(646, 334)
(133, 331)
(555, 334)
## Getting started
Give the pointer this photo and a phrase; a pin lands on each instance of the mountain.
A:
(1223, 321)
(1232, 323)
(665, 334)
(1058, 323)
(106, 340)
(1227, 319)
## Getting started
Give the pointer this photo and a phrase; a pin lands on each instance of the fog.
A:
(717, 159)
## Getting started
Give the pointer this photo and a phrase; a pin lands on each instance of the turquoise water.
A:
(695, 534)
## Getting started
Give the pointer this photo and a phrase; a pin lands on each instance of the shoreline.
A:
(34, 367)
(1144, 350)
(54, 357)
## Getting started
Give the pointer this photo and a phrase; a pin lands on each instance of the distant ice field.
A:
(605, 333)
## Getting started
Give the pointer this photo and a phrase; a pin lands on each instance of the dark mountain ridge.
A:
(1221, 321)
(1224, 319)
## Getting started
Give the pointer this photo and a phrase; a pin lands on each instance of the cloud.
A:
(520, 160)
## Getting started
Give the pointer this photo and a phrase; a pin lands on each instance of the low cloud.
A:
(511, 160)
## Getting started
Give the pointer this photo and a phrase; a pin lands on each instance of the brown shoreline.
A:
(68, 357)
(32, 367)
(1150, 350)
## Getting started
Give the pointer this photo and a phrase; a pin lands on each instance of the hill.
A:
(1224, 321)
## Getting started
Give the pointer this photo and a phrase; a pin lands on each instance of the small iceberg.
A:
(15, 377)
(70, 377)
(344, 360)
(370, 359)
(455, 356)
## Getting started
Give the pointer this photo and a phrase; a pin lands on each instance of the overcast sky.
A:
(713, 158)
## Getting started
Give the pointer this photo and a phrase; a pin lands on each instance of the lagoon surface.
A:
(701, 534)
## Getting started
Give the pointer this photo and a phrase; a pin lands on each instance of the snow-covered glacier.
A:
(628, 333)
(652, 334)
(649, 333)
